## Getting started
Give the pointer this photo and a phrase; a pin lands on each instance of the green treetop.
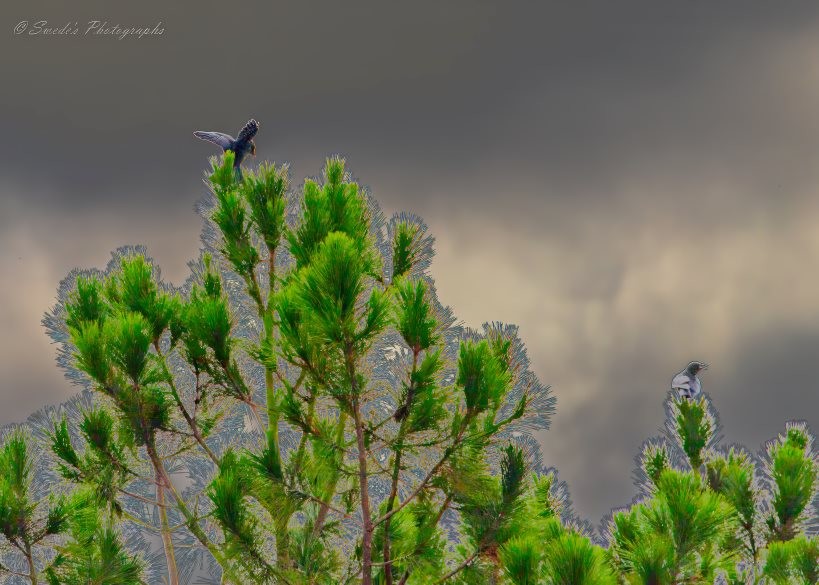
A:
(363, 409)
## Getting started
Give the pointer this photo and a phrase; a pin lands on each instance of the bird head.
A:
(252, 148)
(695, 368)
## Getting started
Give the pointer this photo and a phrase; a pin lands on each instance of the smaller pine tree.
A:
(67, 539)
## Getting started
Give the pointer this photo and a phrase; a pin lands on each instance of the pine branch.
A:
(195, 430)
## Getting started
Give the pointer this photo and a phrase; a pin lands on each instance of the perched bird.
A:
(686, 383)
(240, 146)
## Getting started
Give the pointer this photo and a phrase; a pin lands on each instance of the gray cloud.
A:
(632, 183)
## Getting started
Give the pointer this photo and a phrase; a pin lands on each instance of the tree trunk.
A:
(367, 539)
(167, 541)
(32, 569)
(396, 472)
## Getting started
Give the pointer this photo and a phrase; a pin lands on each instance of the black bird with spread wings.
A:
(240, 146)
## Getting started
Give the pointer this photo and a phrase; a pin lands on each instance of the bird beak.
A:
(704, 367)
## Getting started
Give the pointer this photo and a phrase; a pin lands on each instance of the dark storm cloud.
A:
(778, 363)
(551, 86)
(634, 184)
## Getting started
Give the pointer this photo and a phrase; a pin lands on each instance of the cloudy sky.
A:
(634, 184)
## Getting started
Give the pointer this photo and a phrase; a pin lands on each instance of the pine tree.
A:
(63, 538)
(26, 525)
(321, 402)
(707, 511)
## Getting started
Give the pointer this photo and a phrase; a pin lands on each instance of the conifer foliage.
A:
(711, 514)
(304, 411)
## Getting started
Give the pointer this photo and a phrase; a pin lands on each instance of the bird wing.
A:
(681, 380)
(696, 387)
(249, 131)
(219, 139)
